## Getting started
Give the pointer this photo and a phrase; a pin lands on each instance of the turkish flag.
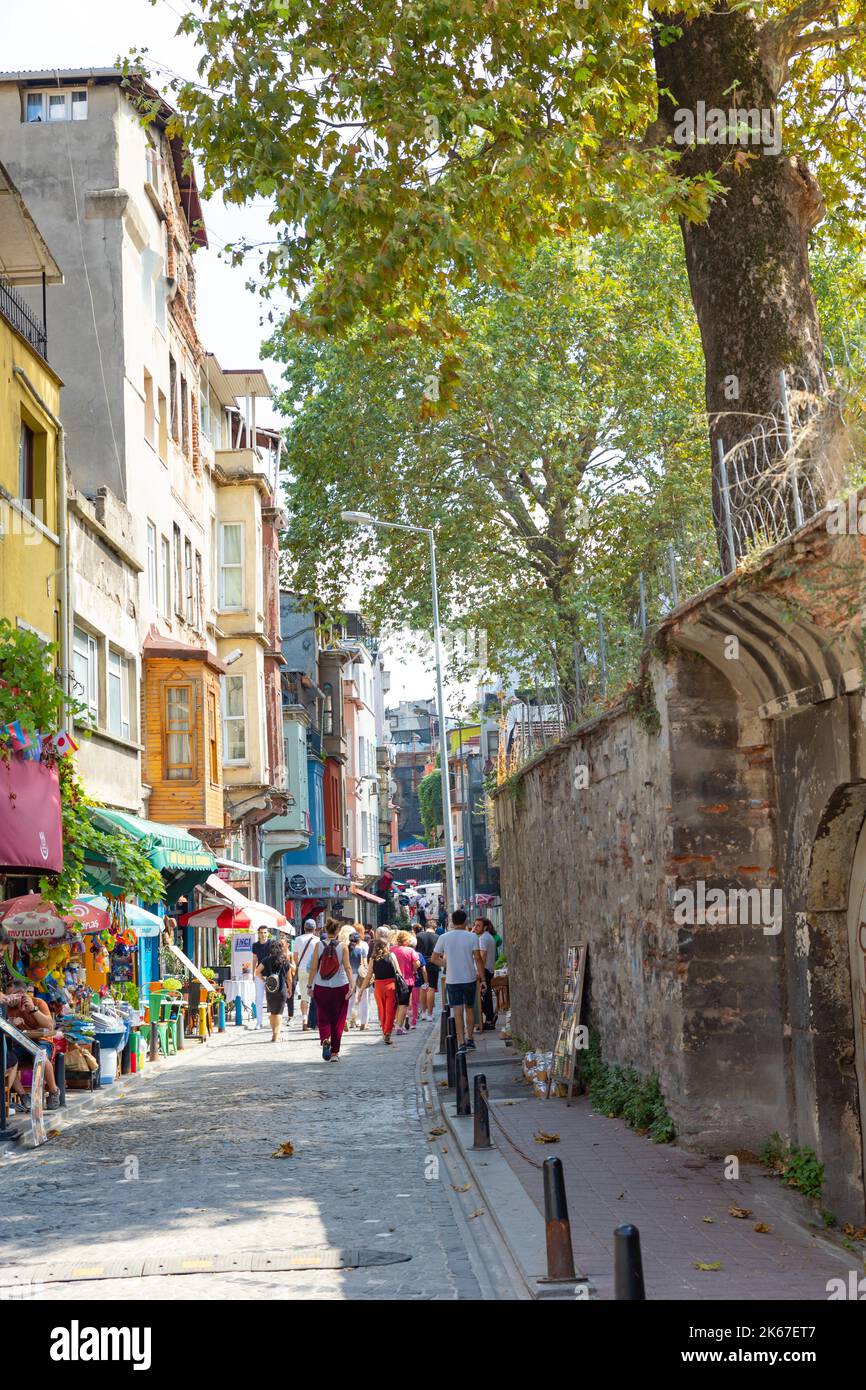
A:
(30, 828)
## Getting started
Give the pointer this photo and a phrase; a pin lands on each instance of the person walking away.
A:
(408, 961)
(425, 945)
(359, 1004)
(457, 950)
(487, 947)
(331, 982)
(442, 917)
(419, 982)
(382, 970)
(422, 909)
(302, 947)
(261, 948)
(277, 970)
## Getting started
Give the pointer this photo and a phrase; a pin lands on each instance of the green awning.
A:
(168, 847)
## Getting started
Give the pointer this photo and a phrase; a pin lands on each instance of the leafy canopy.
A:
(410, 146)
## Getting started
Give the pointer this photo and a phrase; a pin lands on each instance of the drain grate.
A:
(244, 1262)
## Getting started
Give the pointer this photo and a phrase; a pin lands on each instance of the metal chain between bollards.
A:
(533, 1162)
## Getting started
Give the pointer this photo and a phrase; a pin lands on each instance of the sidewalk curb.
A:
(523, 1232)
(92, 1102)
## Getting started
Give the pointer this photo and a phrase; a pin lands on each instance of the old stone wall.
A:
(712, 853)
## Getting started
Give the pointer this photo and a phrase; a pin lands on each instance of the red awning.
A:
(362, 893)
(30, 829)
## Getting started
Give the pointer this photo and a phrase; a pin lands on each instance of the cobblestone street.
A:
(201, 1135)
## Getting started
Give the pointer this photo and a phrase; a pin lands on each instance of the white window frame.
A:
(118, 660)
(47, 106)
(233, 565)
(88, 648)
(234, 719)
(165, 576)
(152, 574)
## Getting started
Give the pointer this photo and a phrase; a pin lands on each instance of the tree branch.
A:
(824, 37)
(781, 39)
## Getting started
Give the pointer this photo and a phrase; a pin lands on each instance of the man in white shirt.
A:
(458, 951)
(302, 950)
(487, 947)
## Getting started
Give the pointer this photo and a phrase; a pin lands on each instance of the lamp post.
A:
(363, 519)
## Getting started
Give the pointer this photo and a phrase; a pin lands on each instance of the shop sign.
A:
(35, 931)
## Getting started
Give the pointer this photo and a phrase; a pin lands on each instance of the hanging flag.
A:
(17, 737)
(63, 744)
(34, 752)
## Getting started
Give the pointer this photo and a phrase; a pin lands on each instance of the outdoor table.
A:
(243, 989)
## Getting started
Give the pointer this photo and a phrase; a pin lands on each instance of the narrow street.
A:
(202, 1134)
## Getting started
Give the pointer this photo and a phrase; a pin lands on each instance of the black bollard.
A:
(464, 1105)
(451, 1059)
(560, 1257)
(60, 1076)
(97, 1057)
(443, 1031)
(126, 1059)
(481, 1127)
(628, 1266)
(154, 1043)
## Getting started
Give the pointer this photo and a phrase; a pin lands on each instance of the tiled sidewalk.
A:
(614, 1176)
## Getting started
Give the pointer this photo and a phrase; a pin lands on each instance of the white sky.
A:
(93, 33)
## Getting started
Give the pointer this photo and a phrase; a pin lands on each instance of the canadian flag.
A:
(64, 744)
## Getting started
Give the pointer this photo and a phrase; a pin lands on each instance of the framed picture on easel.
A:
(571, 1033)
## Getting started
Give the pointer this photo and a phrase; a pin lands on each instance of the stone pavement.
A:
(180, 1166)
(679, 1201)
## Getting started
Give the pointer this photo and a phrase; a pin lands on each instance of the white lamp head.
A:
(361, 518)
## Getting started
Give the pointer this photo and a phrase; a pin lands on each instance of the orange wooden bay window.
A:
(179, 732)
(213, 737)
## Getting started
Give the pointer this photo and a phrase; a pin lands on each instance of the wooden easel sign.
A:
(570, 1035)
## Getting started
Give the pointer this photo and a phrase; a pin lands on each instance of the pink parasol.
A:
(32, 918)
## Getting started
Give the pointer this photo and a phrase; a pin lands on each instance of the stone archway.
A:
(828, 1038)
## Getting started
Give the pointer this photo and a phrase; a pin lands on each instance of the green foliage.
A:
(797, 1166)
(31, 693)
(430, 804)
(407, 147)
(557, 472)
(623, 1092)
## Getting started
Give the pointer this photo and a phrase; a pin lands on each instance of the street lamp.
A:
(363, 519)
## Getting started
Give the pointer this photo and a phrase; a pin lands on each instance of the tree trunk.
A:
(748, 264)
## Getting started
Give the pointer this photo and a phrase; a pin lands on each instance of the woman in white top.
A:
(331, 982)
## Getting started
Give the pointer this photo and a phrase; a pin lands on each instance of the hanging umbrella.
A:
(142, 922)
(248, 918)
(32, 918)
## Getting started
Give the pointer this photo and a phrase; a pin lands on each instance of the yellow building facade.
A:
(32, 550)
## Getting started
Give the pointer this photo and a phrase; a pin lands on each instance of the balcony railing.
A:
(20, 317)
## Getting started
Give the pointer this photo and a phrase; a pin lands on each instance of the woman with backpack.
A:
(384, 971)
(277, 970)
(331, 982)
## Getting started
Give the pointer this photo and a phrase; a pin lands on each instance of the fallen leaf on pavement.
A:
(464, 1188)
(441, 1083)
(620, 1197)
(855, 1232)
(762, 1228)
(434, 1133)
(708, 1268)
(541, 1137)
(473, 1214)
(709, 1220)
(284, 1151)
(742, 1213)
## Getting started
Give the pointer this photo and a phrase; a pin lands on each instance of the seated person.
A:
(33, 1018)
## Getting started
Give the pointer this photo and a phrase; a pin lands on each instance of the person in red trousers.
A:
(383, 971)
(332, 982)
